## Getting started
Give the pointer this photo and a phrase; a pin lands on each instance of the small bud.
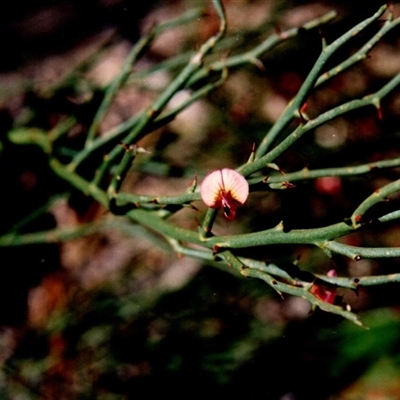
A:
(324, 292)
(226, 189)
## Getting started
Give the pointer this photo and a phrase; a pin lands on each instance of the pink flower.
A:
(226, 189)
(324, 292)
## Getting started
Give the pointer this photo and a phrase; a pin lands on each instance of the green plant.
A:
(203, 72)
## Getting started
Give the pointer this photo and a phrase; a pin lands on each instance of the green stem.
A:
(306, 174)
(116, 85)
(131, 59)
(51, 236)
(278, 236)
(361, 54)
(35, 136)
(292, 108)
(313, 236)
(358, 253)
(389, 217)
(78, 182)
(282, 287)
(208, 222)
(356, 281)
(184, 198)
(177, 84)
(117, 133)
(376, 197)
(373, 99)
(301, 292)
(119, 175)
(252, 56)
(261, 238)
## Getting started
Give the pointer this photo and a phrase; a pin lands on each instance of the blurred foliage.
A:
(119, 333)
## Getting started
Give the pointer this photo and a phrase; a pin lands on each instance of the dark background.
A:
(62, 337)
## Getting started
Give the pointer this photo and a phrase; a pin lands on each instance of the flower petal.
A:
(236, 184)
(211, 189)
(225, 183)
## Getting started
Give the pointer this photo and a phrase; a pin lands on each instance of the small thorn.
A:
(126, 147)
(152, 112)
(275, 167)
(192, 187)
(252, 154)
(288, 185)
(358, 219)
(302, 113)
(323, 39)
(258, 63)
(142, 150)
(303, 108)
(280, 294)
(380, 114)
(216, 249)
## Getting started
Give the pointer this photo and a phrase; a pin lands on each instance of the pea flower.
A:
(226, 189)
